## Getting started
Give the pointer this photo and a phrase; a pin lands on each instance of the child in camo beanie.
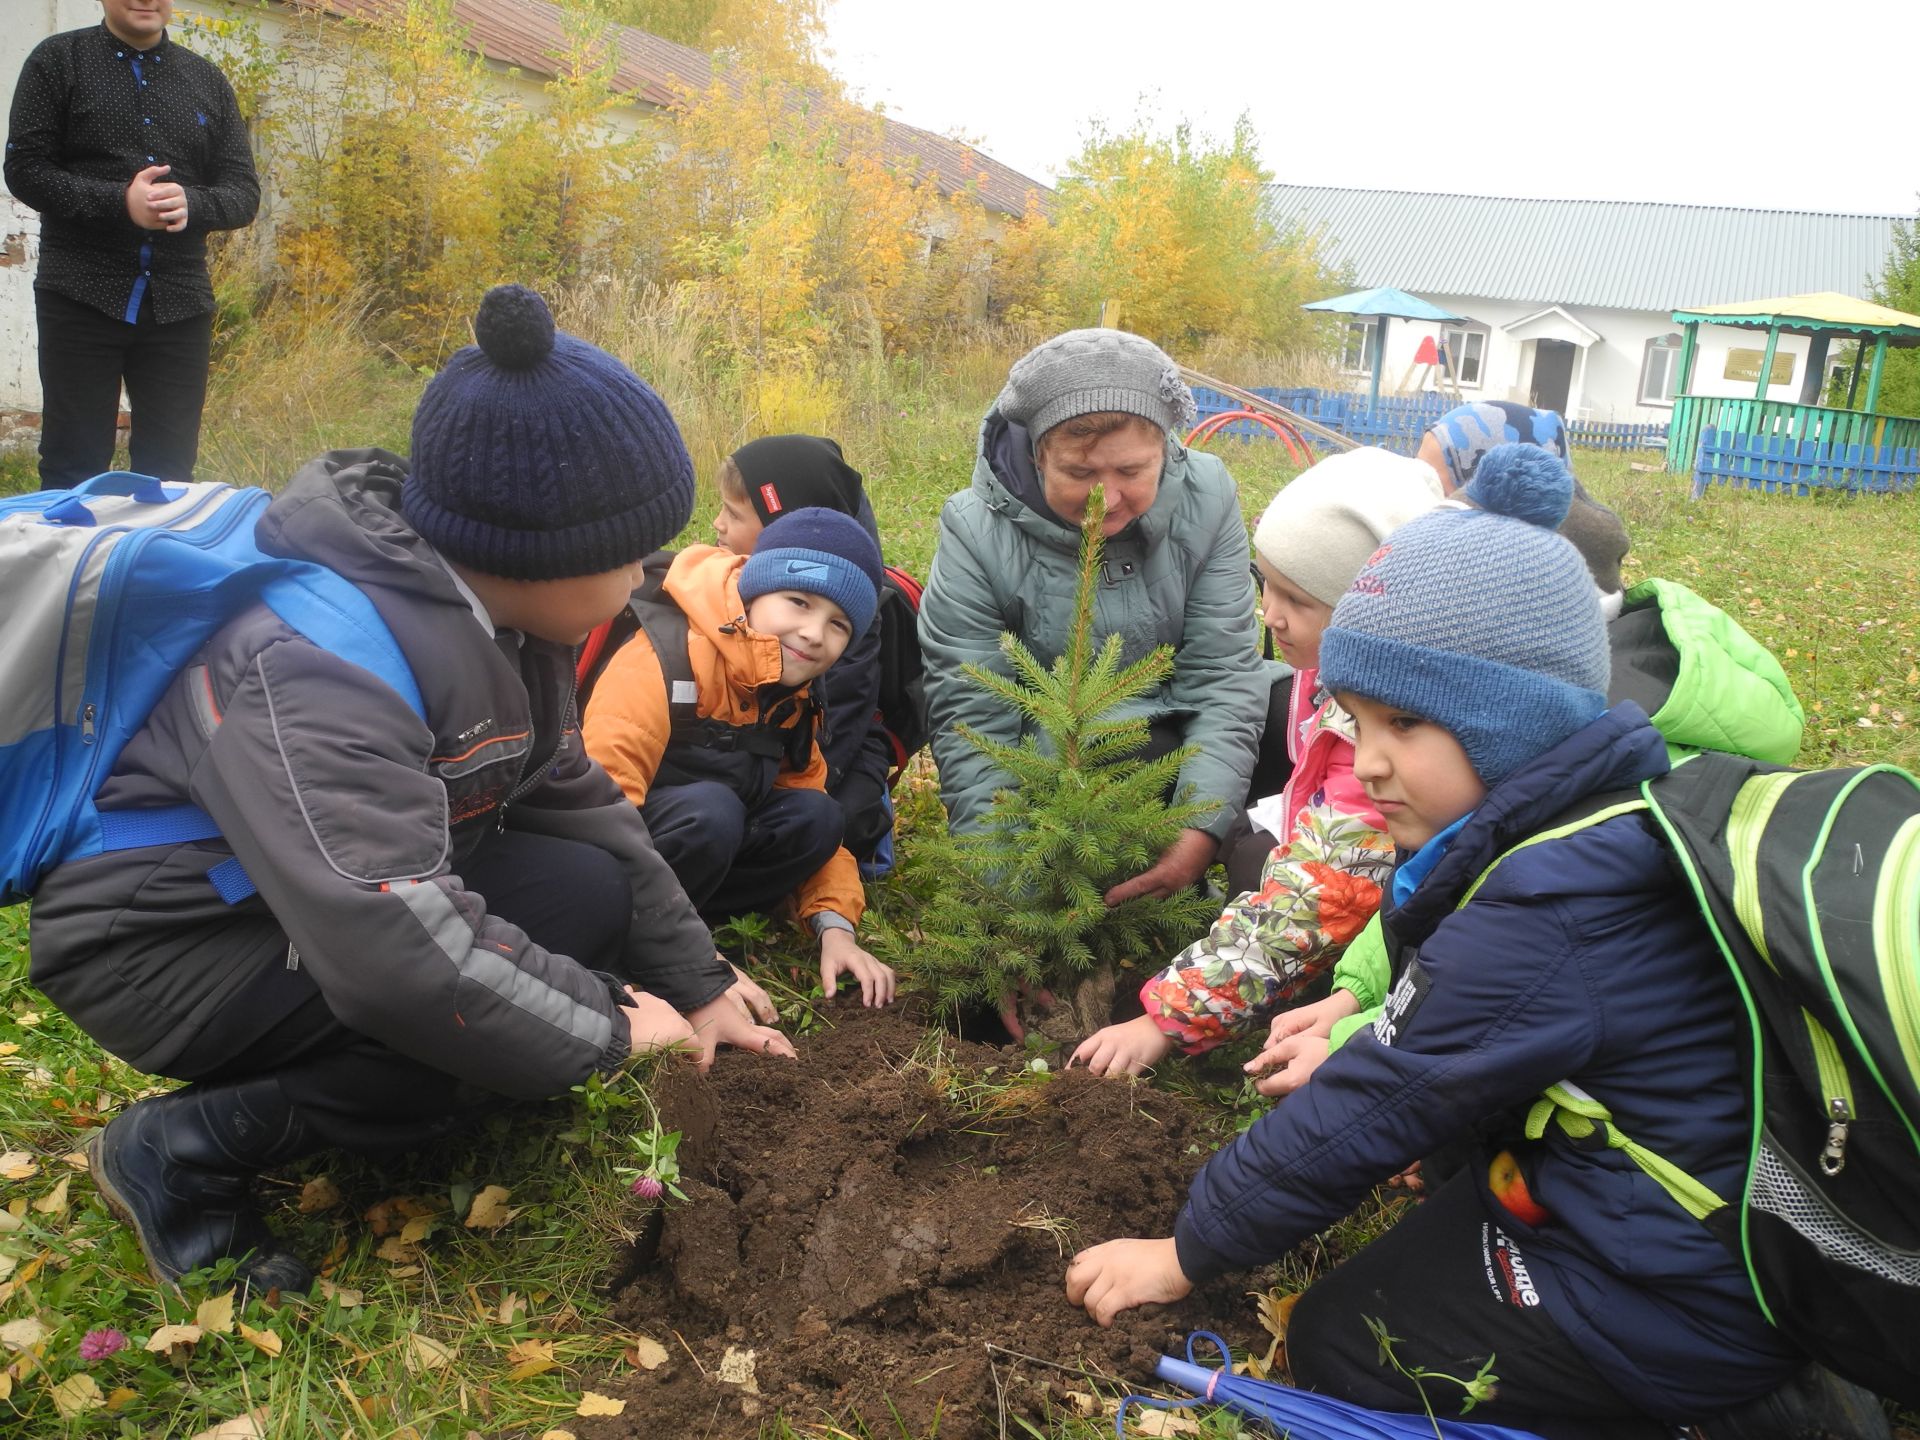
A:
(1481, 620)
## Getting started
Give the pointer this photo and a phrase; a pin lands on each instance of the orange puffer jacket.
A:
(627, 722)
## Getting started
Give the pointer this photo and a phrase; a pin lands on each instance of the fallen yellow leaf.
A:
(396, 1251)
(593, 1404)
(265, 1340)
(427, 1353)
(489, 1209)
(647, 1354)
(318, 1194)
(77, 1394)
(530, 1358)
(54, 1202)
(250, 1426)
(27, 1019)
(7, 1262)
(556, 1435)
(215, 1314)
(510, 1306)
(77, 1159)
(120, 1395)
(6, 1384)
(345, 1298)
(18, 1165)
(168, 1336)
(8, 1047)
(22, 1334)
(416, 1229)
(405, 1272)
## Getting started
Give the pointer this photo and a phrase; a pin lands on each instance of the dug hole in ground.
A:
(870, 1231)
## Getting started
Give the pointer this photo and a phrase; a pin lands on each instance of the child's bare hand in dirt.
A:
(653, 1024)
(747, 991)
(1284, 1067)
(1039, 997)
(1121, 1274)
(727, 1020)
(1411, 1181)
(1179, 867)
(1130, 1048)
(840, 954)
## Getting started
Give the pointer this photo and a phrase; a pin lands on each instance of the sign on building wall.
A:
(1744, 366)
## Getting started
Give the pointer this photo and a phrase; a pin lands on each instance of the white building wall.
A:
(1606, 388)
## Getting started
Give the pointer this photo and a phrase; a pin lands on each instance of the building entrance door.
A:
(1552, 374)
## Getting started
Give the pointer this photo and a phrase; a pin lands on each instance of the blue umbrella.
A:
(1382, 303)
(1299, 1414)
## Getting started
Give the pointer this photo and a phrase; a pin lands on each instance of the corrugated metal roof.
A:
(1622, 254)
(529, 34)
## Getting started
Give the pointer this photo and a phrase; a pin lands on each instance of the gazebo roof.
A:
(1385, 300)
(1823, 310)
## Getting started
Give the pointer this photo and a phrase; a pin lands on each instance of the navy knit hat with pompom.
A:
(1481, 620)
(537, 456)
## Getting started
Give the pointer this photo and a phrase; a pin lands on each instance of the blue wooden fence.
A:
(1398, 422)
(1799, 467)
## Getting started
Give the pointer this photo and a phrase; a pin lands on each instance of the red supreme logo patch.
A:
(770, 497)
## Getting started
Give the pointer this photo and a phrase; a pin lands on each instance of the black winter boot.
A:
(1815, 1405)
(180, 1168)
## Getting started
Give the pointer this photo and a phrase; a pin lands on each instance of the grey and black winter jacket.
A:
(353, 818)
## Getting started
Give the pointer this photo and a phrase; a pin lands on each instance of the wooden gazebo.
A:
(1824, 317)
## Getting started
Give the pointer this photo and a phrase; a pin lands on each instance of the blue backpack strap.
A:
(335, 615)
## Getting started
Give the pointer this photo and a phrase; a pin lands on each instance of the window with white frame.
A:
(1660, 370)
(1466, 353)
(1363, 338)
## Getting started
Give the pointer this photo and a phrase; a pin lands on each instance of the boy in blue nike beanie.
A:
(706, 718)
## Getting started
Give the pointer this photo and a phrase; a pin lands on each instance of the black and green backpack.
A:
(1810, 883)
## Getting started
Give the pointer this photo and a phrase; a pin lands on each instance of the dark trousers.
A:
(1437, 1282)
(358, 1094)
(863, 803)
(84, 358)
(732, 860)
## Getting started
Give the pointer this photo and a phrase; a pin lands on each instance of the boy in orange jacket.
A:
(730, 778)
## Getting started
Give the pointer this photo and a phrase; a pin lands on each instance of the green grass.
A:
(1828, 583)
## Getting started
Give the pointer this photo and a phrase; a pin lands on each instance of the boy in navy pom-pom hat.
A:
(1537, 939)
(398, 924)
(707, 719)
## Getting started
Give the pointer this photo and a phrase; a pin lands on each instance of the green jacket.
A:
(1177, 576)
(1705, 683)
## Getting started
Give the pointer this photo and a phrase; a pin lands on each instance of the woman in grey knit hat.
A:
(1106, 409)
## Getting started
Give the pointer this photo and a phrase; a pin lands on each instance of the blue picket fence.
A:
(1397, 422)
(1799, 467)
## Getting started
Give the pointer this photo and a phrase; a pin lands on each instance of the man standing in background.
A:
(131, 149)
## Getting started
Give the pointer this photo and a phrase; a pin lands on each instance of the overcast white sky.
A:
(1728, 102)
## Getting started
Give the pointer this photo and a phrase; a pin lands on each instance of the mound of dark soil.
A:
(889, 1237)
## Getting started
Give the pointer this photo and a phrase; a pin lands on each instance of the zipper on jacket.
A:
(532, 778)
(1837, 1093)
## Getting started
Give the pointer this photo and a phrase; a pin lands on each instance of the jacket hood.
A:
(704, 581)
(1706, 682)
(342, 511)
(1005, 477)
(1615, 752)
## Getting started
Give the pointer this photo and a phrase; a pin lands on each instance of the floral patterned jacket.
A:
(1318, 890)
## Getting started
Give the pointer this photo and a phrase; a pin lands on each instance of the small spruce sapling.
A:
(1020, 908)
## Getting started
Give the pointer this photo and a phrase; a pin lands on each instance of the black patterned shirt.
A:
(89, 114)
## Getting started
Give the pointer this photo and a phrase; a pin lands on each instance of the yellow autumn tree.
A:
(1173, 231)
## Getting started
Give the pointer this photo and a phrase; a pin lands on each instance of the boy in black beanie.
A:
(398, 924)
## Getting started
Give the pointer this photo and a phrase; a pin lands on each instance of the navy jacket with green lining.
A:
(1581, 958)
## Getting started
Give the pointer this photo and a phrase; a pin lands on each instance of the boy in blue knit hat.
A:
(706, 720)
(1538, 938)
(401, 921)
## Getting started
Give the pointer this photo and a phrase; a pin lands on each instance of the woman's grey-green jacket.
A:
(1177, 576)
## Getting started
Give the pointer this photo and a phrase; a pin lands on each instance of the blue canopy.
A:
(1384, 300)
(1383, 303)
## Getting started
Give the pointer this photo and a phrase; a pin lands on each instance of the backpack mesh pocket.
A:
(1779, 1190)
